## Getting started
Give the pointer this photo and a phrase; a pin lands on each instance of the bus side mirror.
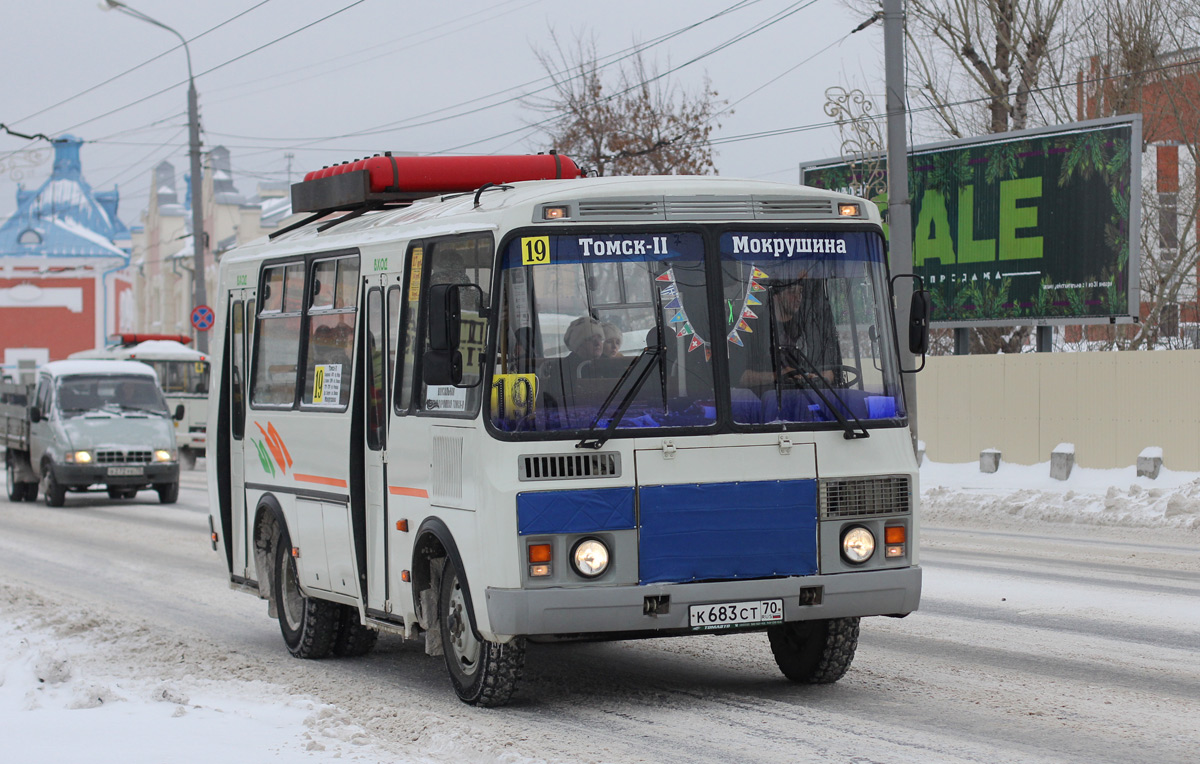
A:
(442, 367)
(445, 317)
(918, 322)
(35, 414)
(179, 413)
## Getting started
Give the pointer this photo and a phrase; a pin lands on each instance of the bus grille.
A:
(122, 457)
(865, 497)
(569, 466)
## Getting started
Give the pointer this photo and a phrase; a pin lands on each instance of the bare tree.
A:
(627, 120)
(1140, 57)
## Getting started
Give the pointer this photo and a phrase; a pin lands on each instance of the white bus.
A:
(182, 375)
(419, 431)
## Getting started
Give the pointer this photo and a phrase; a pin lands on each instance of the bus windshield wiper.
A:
(793, 355)
(656, 352)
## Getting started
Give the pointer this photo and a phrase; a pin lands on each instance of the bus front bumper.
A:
(600, 609)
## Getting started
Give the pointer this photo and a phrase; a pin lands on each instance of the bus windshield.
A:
(807, 328)
(620, 332)
(602, 326)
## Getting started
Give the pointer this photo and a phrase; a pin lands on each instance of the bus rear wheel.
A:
(483, 673)
(814, 652)
(309, 625)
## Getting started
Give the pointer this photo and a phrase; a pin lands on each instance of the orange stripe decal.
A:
(397, 490)
(336, 482)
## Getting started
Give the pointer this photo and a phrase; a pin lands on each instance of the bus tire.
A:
(309, 625)
(168, 493)
(814, 652)
(55, 494)
(353, 638)
(483, 673)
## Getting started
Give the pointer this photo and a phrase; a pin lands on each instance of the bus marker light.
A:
(554, 213)
(539, 570)
(405, 576)
(402, 526)
(848, 210)
(894, 551)
(295, 551)
(894, 534)
(539, 553)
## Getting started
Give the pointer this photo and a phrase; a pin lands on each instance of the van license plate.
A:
(125, 471)
(725, 614)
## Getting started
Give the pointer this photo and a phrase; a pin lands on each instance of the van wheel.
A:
(353, 638)
(309, 625)
(814, 652)
(56, 495)
(483, 673)
(16, 490)
(168, 493)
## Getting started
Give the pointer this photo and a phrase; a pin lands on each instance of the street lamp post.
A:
(199, 285)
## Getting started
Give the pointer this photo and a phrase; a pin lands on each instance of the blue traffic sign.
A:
(203, 318)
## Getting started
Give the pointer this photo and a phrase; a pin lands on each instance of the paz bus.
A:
(418, 429)
(182, 375)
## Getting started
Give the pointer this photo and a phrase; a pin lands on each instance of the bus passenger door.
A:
(241, 318)
(375, 434)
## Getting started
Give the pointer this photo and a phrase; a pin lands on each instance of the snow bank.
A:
(1026, 494)
(68, 694)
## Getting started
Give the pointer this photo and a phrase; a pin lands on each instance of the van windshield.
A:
(596, 323)
(78, 394)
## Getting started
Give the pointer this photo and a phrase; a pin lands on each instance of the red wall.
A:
(55, 328)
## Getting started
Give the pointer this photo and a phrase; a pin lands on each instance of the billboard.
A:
(1036, 226)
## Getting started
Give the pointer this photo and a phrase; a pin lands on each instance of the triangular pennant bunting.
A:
(668, 276)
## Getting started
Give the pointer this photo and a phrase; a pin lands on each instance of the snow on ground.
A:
(69, 694)
(1025, 495)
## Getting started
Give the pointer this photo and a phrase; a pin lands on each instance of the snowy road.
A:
(1071, 644)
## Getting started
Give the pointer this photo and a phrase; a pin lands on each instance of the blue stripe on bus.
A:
(581, 511)
(722, 531)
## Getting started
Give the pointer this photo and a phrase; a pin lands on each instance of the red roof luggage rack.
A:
(394, 181)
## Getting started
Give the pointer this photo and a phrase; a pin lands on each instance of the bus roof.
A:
(696, 199)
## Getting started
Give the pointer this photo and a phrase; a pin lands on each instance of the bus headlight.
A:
(80, 457)
(590, 557)
(162, 455)
(858, 544)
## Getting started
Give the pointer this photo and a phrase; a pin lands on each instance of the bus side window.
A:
(331, 321)
(461, 260)
(407, 333)
(278, 330)
(237, 369)
(392, 320)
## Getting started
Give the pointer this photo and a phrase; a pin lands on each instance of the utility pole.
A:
(199, 284)
(899, 205)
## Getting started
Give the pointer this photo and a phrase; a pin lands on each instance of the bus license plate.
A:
(724, 614)
(124, 471)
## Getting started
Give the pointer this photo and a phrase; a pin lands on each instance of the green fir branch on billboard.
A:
(1085, 157)
(951, 170)
(1005, 161)
(1077, 300)
(1043, 303)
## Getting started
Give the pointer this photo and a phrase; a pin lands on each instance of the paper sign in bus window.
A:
(327, 384)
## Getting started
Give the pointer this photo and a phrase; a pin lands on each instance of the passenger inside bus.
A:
(807, 341)
(558, 376)
(612, 340)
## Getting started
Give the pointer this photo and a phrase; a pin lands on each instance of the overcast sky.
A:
(387, 66)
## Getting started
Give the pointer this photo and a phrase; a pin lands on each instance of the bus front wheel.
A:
(483, 673)
(814, 652)
(309, 625)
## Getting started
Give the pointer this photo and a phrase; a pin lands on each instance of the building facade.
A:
(64, 259)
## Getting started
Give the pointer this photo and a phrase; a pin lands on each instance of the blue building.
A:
(63, 261)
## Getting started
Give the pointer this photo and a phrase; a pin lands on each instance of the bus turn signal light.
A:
(539, 553)
(894, 534)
